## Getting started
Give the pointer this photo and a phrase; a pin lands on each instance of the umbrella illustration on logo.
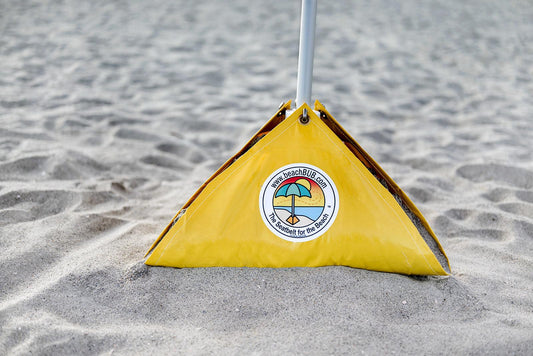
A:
(295, 189)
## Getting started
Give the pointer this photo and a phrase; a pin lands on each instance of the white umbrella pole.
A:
(307, 48)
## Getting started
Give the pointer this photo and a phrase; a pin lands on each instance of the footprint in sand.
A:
(482, 234)
(525, 196)
(520, 209)
(182, 150)
(165, 162)
(514, 176)
(20, 206)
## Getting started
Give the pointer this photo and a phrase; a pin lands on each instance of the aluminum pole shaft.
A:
(307, 49)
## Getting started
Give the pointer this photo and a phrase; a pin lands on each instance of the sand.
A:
(112, 113)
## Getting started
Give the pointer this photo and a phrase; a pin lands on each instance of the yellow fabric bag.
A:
(302, 193)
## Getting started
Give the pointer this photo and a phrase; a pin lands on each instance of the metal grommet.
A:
(282, 112)
(304, 119)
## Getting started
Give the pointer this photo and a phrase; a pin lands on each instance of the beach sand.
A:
(112, 114)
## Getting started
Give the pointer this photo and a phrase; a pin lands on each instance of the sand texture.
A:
(112, 113)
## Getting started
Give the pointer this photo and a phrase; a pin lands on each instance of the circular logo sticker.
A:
(299, 202)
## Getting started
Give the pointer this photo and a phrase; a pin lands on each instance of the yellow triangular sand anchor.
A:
(301, 193)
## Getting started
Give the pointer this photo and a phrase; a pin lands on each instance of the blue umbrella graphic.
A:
(294, 190)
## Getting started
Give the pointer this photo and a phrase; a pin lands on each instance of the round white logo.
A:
(299, 202)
